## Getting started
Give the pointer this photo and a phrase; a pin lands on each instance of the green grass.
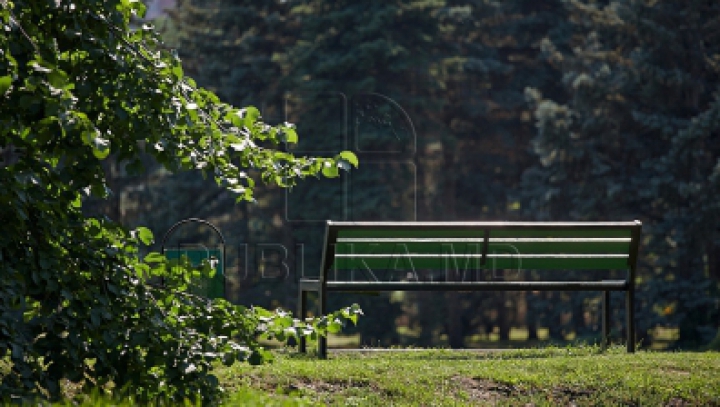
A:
(578, 375)
(553, 376)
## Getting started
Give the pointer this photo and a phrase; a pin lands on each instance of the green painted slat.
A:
(484, 285)
(419, 233)
(511, 246)
(479, 233)
(461, 263)
(547, 233)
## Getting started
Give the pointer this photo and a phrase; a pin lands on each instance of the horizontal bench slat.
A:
(474, 262)
(480, 233)
(474, 255)
(560, 233)
(459, 225)
(349, 286)
(482, 240)
(535, 246)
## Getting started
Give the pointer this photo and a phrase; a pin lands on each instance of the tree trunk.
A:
(713, 260)
(454, 326)
(531, 316)
(503, 316)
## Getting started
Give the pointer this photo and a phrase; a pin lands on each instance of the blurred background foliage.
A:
(465, 110)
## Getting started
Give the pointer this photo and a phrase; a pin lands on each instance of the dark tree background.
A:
(468, 110)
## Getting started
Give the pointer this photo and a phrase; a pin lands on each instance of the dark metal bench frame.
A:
(322, 285)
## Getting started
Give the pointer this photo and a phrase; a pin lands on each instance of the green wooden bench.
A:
(390, 256)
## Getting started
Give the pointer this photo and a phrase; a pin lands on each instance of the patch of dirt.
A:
(482, 390)
(678, 402)
(316, 385)
(679, 372)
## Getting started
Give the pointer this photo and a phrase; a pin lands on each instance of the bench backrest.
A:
(376, 247)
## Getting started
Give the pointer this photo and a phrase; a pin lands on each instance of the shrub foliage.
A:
(77, 84)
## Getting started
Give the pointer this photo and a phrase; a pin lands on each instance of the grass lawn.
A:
(553, 376)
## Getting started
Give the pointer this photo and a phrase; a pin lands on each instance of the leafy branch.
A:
(78, 85)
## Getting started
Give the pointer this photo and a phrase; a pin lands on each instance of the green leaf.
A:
(58, 79)
(154, 257)
(234, 117)
(334, 326)
(251, 116)
(291, 136)
(145, 235)
(350, 157)
(330, 170)
(177, 71)
(5, 82)
(99, 145)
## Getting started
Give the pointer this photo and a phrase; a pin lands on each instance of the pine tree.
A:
(372, 61)
(495, 54)
(638, 138)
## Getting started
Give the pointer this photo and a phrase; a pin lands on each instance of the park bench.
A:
(392, 256)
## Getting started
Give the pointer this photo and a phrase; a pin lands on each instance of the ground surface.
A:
(554, 376)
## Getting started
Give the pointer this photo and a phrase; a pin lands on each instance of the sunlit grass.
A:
(662, 337)
(551, 376)
(580, 375)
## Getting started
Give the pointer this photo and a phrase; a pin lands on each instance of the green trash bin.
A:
(209, 287)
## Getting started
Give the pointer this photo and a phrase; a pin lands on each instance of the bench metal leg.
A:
(630, 322)
(302, 313)
(322, 340)
(605, 341)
